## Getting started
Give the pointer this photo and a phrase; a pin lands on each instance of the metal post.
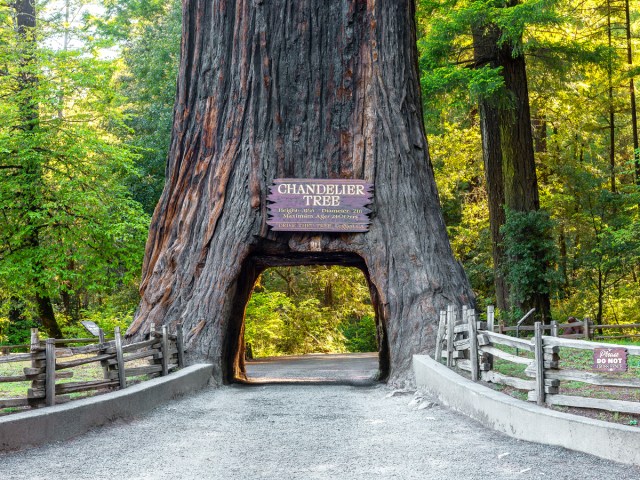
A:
(527, 315)
(490, 317)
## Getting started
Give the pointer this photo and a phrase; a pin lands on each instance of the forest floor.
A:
(304, 431)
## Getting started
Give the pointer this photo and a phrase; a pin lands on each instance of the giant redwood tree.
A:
(296, 89)
(507, 147)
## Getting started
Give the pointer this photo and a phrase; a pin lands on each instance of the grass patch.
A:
(582, 360)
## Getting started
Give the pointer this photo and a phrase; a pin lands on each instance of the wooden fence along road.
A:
(472, 345)
(163, 352)
(585, 329)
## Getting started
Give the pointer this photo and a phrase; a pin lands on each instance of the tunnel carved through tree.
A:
(296, 89)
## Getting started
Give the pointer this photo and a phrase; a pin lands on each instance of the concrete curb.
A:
(524, 420)
(62, 422)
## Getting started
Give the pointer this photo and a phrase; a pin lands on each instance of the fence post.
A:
(450, 324)
(473, 343)
(50, 372)
(35, 340)
(440, 335)
(539, 359)
(36, 385)
(122, 379)
(554, 328)
(463, 320)
(180, 345)
(103, 363)
(165, 351)
(490, 317)
(585, 328)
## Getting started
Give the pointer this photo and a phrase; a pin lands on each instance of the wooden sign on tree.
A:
(296, 89)
(313, 205)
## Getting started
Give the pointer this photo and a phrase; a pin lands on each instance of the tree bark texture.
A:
(507, 145)
(304, 89)
(518, 165)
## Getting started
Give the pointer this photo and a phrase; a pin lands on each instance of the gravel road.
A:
(291, 430)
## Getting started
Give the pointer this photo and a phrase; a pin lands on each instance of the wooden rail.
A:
(462, 341)
(582, 329)
(164, 353)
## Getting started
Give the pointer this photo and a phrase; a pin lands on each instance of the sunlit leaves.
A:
(68, 224)
(297, 310)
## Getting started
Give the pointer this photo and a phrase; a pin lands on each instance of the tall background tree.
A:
(569, 62)
(70, 233)
(488, 37)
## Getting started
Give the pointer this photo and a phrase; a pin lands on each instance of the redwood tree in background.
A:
(507, 148)
(304, 89)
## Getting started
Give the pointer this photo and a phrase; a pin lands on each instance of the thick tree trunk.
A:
(485, 51)
(492, 154)
(303, 89)
(507, 144)
(518, 161)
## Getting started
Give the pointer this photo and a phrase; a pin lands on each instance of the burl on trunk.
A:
(296, 89)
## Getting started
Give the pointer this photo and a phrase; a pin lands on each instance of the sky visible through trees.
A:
(532, 98)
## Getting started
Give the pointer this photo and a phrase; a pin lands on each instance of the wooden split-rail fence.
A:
(164, 353)
(585, 329)
(471, 345)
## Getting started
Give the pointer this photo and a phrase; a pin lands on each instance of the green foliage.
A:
(570, 66)
(107, 316)
(448, 66)
(531, 254)
(458, 173)
(360, 334)
(298, 310)
(69, 228)
(148, 81)
(16, 332)
(266, 317)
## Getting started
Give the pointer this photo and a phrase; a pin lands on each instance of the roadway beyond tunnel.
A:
(358, 369)
(289, 430)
